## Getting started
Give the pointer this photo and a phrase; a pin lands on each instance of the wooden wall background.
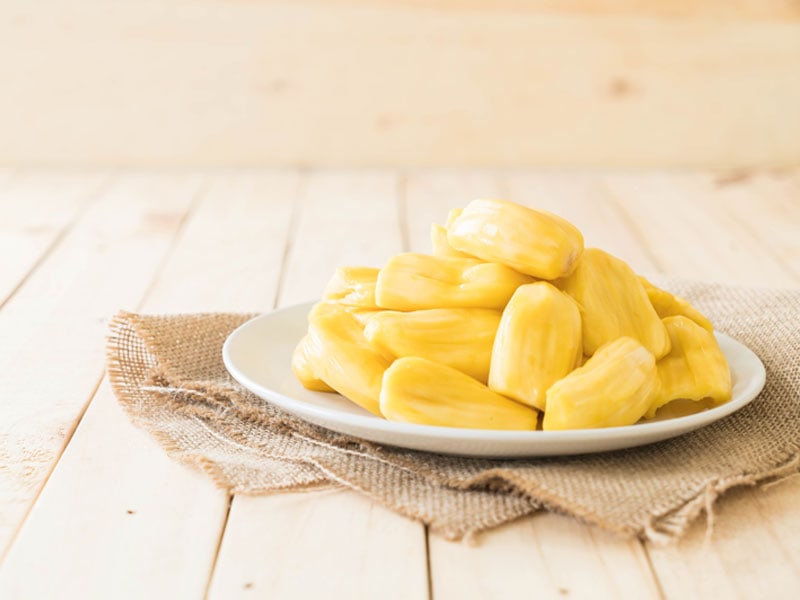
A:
(405, 83)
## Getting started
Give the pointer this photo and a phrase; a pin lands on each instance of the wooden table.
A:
(90, 507)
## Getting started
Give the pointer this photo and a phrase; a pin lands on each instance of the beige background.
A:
(402, 83)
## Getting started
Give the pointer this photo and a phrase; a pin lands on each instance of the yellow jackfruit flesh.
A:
(614, 388)
(538, 342)
(417, 390)
(353, 286)
(457, 337)
(452, 216)
(613, 304)
(440, 245)
(695, 368)
(533, 242)
(419, 281)
(340, 355)
(669, 305)
(303, 371)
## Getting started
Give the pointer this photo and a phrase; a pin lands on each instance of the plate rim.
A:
(638, 430)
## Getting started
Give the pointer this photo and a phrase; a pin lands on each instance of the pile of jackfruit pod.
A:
(509, 317)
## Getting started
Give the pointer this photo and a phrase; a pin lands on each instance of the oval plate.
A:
(258, 355)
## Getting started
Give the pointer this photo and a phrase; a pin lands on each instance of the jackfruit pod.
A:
(533, 242)
(353, 286)
(440, 245)
(695, 368)
(538, 342)
(452, 215)
(417, 390)
(303, 371)
(614, 388)
(418, 281)
(340, 355)
(460, 338)
(669, 305)
(613, 304)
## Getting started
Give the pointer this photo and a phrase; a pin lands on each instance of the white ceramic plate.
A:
(258, 355)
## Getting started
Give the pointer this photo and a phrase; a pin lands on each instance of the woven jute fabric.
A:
(168, 374)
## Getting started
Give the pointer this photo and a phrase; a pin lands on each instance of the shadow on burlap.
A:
(168, 374)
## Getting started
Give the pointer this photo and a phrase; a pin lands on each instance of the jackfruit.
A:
(669, 305)
(440, 245)
(538, 342)
(340, 355)
(417, 390)
(452, 215)
(614, 388)
(353, 286)
(613, 304)
(303, 371)
(457, 337)
(537, 243)
(695, 368)
(419, 281)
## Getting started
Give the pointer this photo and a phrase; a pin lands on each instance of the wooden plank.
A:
(346, 218)
(326, 544)
(53, 327)
(685, 229)
(34, 213)
(451, 83)
(753, 551)
(547, 553)
(116, 519)
(229, 257)
(302, 546)
(765, 208)
(155, 531)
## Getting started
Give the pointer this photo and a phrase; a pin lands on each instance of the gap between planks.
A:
(222, 529)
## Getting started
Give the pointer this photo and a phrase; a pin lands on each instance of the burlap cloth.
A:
(168, 375)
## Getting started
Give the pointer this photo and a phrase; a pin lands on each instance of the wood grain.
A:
(551, 554)
(227, 257)
(117, 518)
(752, 553)
(53, 327)
(35, 211)
(316, 545)
(691, 233)
(308, 545)
(695, 229)
(343, 83)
